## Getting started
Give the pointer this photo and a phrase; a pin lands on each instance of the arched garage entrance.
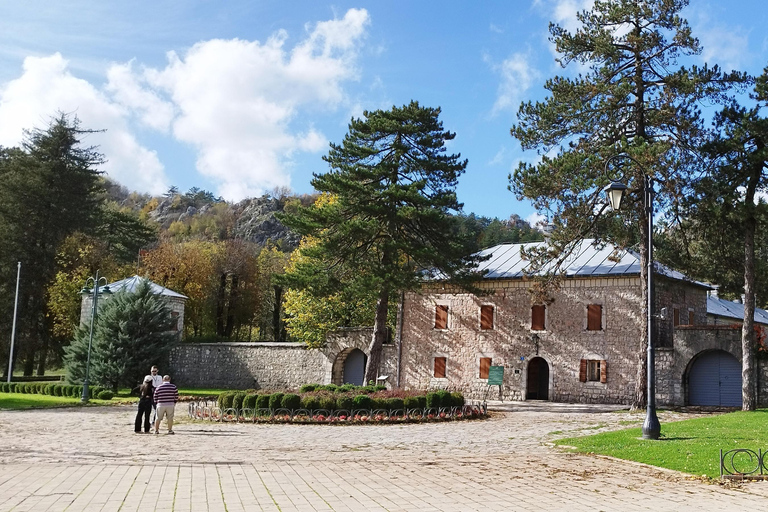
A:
(354, 368)
(714, 379)
(537, 387)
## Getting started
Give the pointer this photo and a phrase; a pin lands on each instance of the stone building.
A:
(174, 300)
(582, 344)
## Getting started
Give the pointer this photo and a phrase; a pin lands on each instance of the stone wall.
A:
(563, 343)
(277, 366)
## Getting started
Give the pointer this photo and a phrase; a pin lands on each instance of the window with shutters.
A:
(486, 318)
(690, 317)
(675, 317)
(441, 316)
(439, 372)
(485, 367)
(595, 317)
(593, 370)
(538, 317)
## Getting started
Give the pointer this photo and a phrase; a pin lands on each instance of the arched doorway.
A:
(354, 368)
(538, 380)
(714, 378)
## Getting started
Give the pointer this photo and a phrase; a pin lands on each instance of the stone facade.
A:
(512, 343)
(277, 366)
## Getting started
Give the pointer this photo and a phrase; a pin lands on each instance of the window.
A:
(690, 317)
(441, 317)
(485, 367)
(439, 368)
(538, 316)
(486, 318)
(595, 317)
(593, 370)
(175, 321)
(676, 317)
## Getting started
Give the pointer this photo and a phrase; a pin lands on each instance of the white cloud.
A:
(517, 76)
(564, 12)
(46, 87)
(127, 90)
(537, 220)
(236, 100)
(726, 46)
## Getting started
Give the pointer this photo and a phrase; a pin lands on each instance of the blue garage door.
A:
(354, 367)
(715, 379)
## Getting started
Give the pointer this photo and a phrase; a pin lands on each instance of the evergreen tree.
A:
(131, 333)
(393, 188)
(630, 100)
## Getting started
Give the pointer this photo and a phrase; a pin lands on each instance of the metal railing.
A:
(743, 464)
(209, 410)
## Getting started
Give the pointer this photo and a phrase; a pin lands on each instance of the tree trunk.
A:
(43, 356)
(641, 379)
(276, 324)
(220, 296)
(231, 307)
(379, 336)
(748, 392)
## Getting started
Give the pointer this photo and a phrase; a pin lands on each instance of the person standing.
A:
(146, 392)
(165, 398)
(157, 380)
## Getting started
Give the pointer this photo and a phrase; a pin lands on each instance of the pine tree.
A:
(132, 332)
(630, 100)
(392, 189)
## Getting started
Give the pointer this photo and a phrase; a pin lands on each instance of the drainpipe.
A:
(399, 335)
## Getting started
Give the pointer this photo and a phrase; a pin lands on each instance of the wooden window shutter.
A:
(439, 367)
(594, 317)
(441, 317)
(603, 371)
(676, 317)
(485, 367)
(583, 370)
(486, 317)
(538, 315)
(690, 318)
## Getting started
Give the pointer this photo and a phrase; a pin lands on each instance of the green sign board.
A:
(496, 376)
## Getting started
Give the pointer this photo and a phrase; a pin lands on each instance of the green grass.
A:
(34, 401)
(691, 446)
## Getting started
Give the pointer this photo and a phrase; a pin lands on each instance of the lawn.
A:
(691, 446)
(34, 401)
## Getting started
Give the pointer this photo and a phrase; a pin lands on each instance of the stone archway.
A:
(349, 366)
(537, 383)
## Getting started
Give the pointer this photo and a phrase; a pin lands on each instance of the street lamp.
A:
(95, 281)
(615, 192)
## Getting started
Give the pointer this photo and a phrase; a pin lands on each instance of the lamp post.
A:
(95, 281)
(615, 191)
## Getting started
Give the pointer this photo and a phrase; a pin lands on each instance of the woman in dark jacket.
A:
(145, 405)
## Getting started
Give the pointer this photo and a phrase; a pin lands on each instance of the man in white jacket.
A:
(157, 380)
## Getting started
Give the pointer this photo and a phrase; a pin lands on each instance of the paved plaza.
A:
(89, 459)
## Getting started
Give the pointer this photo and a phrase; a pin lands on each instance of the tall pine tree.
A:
(630, 100)
(393, 189)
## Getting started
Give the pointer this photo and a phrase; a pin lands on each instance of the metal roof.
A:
(721, 307)
(130, 284)
(589, 259)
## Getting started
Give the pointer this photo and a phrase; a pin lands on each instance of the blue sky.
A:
(239, 97)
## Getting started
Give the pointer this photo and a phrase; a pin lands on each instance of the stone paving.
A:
(89, 459)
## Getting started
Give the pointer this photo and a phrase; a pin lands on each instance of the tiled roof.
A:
(130, 284)
(587, 260)
(726, 308)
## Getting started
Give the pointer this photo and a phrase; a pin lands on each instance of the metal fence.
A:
(208, 410)
(743, 464)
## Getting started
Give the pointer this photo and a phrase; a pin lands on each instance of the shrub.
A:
(262, 401)
(237, 399)
(105, 395)
(433, 400)
(250, 401)
(457, 399)
(395, 403)
(380, 387)
(310, 402)
(225, 400)
(363, 402)
(345, 402)
(49, 389)
(93, 392)
(347, 388)
(333, 388)
(57, 389)
(368, 389)
(275, 399)
(290, 401)
(306, 388)
(328, 403)
(4, 387)
(379, 403)
(445, 398)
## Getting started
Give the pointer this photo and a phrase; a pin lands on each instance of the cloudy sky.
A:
(240, 97)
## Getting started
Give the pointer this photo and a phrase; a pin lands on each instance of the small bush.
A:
(262, 401)
(290, 401)
(433, 400)
(328, 403)
(4, 387)
(57, 389)
(368, 389)
(105, 395)
(49, 389)
(225, 400)
(379, 403)
(333, 388)
(93, 392)
(346, 388)
(445, 398)
(345, 402)
(250, 401)
(73, 392)
(362, 402)
(380, 387)
(306, 388)
(237, 399)
(275, 399)
(395, 403)
(457, 399)
(310, 402)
